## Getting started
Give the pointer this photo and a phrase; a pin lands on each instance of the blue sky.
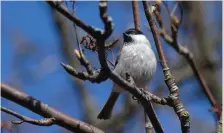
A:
(33, 21)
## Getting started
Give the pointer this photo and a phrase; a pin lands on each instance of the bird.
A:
(135, 58)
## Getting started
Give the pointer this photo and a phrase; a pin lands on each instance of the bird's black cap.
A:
(133, 31)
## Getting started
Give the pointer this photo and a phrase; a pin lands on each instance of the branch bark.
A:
(136, 17)
(148, 125)
(219, 127)
(177, 105)
(67, 34)
(172, 40)
(43, 122)
(62, 9)
(46, 111)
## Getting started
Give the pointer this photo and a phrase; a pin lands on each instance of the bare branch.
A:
(65, 28)
(148, 125)
(62, 9)
(135, 9)
(183, 114)
(172, 40)
(108, 25)
(98, 34)
(82, 75)
(105, 71)
(111, 43)
(158, 100)
(174, 9)
(46, 111)
(142, 98)
(43, 122)
(118, 121)
(83, 60)
(219, 127)
(101, 41)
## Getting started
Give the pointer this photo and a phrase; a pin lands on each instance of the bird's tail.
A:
(108, 107)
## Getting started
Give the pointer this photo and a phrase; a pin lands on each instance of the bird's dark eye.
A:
(127, 38)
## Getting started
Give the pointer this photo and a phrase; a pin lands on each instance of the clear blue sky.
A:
(34, 21)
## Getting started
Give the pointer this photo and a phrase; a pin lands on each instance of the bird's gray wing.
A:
(119, 54)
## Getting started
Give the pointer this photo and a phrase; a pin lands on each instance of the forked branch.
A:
(43, 122)
(177, 105)
(172, 40)
(105, 71)
(46, 111)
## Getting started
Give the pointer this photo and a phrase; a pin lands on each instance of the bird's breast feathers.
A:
(139, 61)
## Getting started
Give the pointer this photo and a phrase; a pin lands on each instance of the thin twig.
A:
(108, 26)
(46, 111)
(177, 105)
(135, 9)
(172, 40)
(219, 127)
(82, 75)
(43, 122)
(111, 43)
(105, 71)
(62, 9)
(79, 88)
(158, 100)
(100, 36)
(83, 60)
(174, 9)
(148, 124)
(141, 96)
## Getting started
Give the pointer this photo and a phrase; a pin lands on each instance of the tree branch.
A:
(46, 111)
(65, 28)
(111, 43)
(62, 9)
(148, 125)
(158, 100)
(43, 122)
(99, 35)
(172, 40)
(82, 75)
(219, 127)
(105, 71)
(177, 105)
(135, 9)
(81, 57)
(142, 97)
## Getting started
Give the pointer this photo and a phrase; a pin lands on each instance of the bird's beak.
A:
(125, 35)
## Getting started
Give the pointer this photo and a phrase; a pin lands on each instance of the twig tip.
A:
(17, 122)
(62, 64)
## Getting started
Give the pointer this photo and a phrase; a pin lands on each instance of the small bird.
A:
(135, 58)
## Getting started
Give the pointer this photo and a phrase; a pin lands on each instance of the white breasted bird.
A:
(136, 58)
